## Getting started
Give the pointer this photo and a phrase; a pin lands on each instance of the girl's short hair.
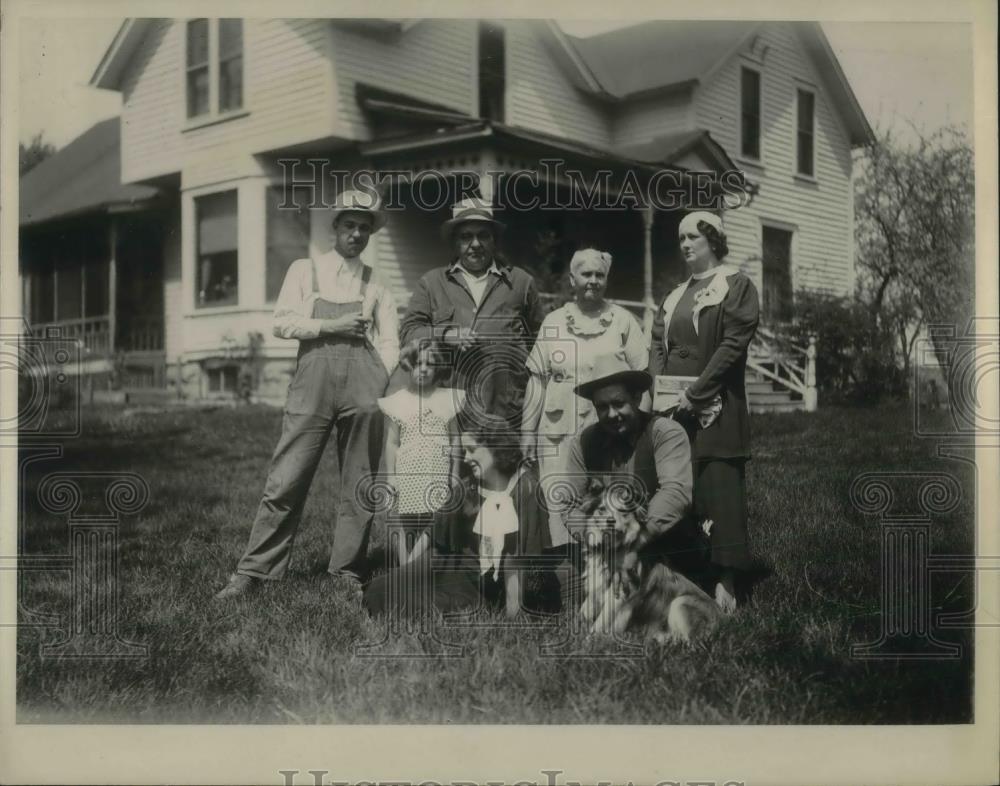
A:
(440, 358)
(716, 240)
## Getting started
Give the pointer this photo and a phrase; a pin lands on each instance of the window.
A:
(750, 113)
(287, 240)
(230, 64)
(491, 72)
(777, 275)
(805, 133)
(214, 66)
(197, 67)
(223, 379)
(216, 253)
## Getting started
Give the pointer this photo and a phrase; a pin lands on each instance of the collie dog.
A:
(625, 590)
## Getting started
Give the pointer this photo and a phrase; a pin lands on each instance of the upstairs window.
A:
(750, 113)
(805, 133)
(492, 72)
(214, 63)
(197, 67)
(230, 64)
(217, 250)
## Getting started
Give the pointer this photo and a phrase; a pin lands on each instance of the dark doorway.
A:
(777, 275)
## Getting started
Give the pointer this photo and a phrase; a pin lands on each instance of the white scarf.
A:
(497, 518)
(711, 295)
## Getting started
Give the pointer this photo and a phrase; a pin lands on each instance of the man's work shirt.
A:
(659, 456)
(339, 281)
(477, 284)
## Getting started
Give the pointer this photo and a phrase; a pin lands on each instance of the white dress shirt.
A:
(339, 281)
(477, 284)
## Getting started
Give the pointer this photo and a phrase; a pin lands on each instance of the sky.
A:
(899, 71)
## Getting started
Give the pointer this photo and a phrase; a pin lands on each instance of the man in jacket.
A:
(487, 311)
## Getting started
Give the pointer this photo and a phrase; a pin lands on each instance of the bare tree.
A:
(914, 211)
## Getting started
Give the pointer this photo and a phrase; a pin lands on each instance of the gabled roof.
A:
(658, 54)
(662, 55)
(83, 177)
(109, 71)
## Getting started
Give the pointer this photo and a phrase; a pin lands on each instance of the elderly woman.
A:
(703, 330)
(571, 343)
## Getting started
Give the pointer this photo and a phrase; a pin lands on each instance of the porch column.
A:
(647, 268)
(112, 284)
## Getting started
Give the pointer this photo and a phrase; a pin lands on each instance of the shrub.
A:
(855, 361)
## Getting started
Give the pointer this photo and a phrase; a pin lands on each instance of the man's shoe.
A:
(238, 585)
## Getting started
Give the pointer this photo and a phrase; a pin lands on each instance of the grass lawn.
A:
(286, 655)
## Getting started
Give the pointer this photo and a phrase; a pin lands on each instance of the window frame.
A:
(811, 175)
(743, 155)
(214, 114)
(794, 232)
(270, 189)
(202, 307)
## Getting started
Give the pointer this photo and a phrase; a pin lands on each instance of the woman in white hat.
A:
(570, 345)
(703, 330)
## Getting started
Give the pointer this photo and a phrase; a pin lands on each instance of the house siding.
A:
(288, 89)
(541, 97)
(645, 119)
(433, 61)
(818, 212)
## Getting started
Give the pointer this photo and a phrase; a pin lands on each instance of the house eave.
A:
(109, 72)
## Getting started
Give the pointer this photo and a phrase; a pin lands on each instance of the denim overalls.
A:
(337, 381)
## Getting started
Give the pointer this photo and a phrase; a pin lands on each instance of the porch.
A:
(99, 281)
(585, 203)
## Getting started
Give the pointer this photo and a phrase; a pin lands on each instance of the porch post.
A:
(647, 268)
(112, 285)
(810, 399)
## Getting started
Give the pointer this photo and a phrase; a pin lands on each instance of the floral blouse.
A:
(565, 354)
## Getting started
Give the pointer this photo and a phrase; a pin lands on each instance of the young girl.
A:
(419, 441)
(495, 513)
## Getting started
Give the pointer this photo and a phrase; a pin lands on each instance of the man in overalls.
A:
(344, 318)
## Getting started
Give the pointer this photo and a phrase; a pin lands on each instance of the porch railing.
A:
(93, 333)
(789, 365)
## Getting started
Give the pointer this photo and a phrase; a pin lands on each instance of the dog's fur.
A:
(635, 593)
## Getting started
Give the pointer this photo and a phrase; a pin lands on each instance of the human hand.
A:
(683, 404)
(349, 325)
(461, 338)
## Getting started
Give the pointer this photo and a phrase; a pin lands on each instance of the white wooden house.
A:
(211, 107)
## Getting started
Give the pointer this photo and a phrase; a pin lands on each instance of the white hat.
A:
(693, 219)
(359, 202)
(470, 210)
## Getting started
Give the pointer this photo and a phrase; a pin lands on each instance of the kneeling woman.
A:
(495, 514)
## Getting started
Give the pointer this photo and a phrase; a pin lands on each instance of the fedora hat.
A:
(611, 370)
(470, 210)
(354, 201)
